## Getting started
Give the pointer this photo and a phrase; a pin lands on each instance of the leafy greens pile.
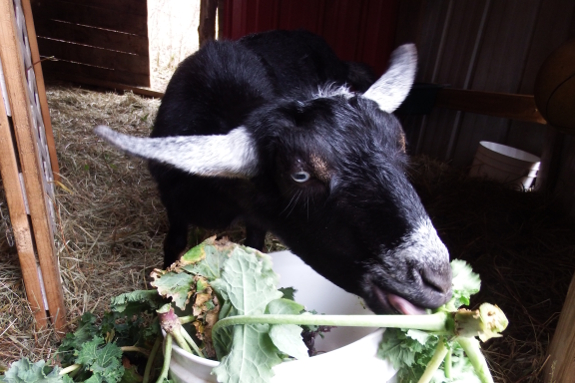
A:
(220, 301)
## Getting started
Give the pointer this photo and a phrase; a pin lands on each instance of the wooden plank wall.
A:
(95, 39)
(486, 45)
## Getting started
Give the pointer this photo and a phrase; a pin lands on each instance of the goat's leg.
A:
(176, 240)
(255, 237)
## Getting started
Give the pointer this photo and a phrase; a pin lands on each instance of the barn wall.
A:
(487, 45)
(358, 30)
(103, 40)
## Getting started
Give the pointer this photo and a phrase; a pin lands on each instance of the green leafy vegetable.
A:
(24, 371)
(248, 283)
(103, 359)
(221, 299)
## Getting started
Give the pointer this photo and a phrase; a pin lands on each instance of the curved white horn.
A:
(394, 86)
(231, 155)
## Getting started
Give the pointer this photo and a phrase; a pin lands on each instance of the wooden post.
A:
(21, 94)
(560, 367)
(207, 28)
(550, 160)
(19, 219)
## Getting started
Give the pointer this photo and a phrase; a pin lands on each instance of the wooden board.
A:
(19, 218)
(61, 69)
(512, 106)
(94, 56)
(560, 367)
(32, 152)
(84, 35)
(97, 17)
(105, 40)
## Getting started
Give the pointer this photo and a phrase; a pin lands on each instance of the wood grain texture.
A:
(13, 65)
(106, 40)
(85, 35)
(95, 56)
(19, 221)
(82, 13)
(64, 68)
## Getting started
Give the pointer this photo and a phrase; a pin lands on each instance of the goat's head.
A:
(328, 174)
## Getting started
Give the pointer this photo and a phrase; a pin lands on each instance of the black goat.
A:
(275, 131)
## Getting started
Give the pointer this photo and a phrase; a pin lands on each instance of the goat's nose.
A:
(437, 283)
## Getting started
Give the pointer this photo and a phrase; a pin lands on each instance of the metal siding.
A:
(491, 45)
(360, 30)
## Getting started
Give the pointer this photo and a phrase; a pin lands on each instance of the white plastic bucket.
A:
(350, 352)
(505, 164)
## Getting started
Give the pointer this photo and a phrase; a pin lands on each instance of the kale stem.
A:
(435, 362)
(151, 359)
(476, 357)
(180, 339)
(187, 319)
(135, 349)
(448, 364)
(433, 322)
(69, 369)
(191, 342)
(167, 358)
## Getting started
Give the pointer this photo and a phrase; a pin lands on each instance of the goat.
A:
(275, 131)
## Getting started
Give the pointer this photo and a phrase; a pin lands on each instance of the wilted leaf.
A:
(207, 258)
(175, 285)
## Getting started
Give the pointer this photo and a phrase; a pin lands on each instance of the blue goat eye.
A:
(300, 176)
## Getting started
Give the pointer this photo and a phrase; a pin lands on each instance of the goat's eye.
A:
(300, 176)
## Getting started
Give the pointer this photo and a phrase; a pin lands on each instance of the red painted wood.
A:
(358, 30)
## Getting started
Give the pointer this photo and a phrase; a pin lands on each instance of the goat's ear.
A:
(394, 86)
(231, 155)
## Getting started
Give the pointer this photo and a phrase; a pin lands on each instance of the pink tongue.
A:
(404, 306)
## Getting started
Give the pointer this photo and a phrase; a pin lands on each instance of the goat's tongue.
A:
(403, 306)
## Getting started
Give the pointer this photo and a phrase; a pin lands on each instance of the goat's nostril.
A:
(436, 280)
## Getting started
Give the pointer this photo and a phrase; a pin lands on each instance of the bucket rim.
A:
(501, 149)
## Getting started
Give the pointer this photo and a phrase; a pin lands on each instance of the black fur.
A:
(358, 200)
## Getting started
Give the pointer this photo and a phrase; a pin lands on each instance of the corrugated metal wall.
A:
(488, 45)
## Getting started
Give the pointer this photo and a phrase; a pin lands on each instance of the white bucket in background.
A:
(350, 352)
(505, 164)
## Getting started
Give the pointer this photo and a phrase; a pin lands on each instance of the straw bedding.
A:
(111, 226)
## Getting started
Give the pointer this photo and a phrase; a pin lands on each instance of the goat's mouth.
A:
(385, 302)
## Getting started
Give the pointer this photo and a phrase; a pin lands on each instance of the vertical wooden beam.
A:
(19, 219)
(12, 59)
(550, 160)
(560, 367)
(207, 28)
(27, 8)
